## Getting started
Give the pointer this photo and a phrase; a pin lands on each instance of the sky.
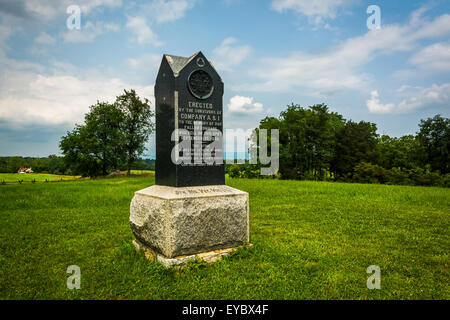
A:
(269, 53)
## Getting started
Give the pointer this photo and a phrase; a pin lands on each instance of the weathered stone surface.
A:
(184, 221)
(208, 257)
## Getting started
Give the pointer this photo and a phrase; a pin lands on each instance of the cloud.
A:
(244, 105)
(317, 11)
(5, 33)
(53, 9)
(31, 15)
(145, 61)
(374, 105)
(166, 11)
(157, 11)
(227, 56)
(144, 34)
(434, 58)
(339, 68)
(145, 66)
(45, 39)
(88, 32)
(418, 97)
(56, 97)
(430, 29)
(411, 99)
(15, 8)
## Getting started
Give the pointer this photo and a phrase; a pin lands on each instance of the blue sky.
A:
(269, 53)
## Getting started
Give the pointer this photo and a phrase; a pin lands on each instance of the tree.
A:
(136, 126)
(434, 137)
(307, 140)
(404, 152)
(13, 164)
(355, 143)
(95, 147)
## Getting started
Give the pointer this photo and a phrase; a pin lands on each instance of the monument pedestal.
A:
(175, 225)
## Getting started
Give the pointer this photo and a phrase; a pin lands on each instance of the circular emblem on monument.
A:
(200, 84)
(200, 62)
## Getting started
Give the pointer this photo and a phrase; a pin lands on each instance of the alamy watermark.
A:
(73, 22)
(74, 281)
(205, 147)
(374, 21)
(374, 281)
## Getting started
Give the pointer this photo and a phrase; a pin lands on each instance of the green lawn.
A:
(28, 177)
(312, 240)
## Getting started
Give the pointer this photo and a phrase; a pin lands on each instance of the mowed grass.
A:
(38, 177)
(143, 172)
(312, 240)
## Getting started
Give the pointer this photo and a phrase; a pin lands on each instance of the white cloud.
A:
(244, 105)
(53, 9)
(144, 34)
(5, 33)
(317, 11)
(227, 56)
(60, 97)
(435, 58)
(411, 99)
(430, 29)
(88, 32)
(45, 39)
(145, 66)
(339, 68)
(374, 105)
(145, 61)
(159, 11)
(418, 97)
(168, 10)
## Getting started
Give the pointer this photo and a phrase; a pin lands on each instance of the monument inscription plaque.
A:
(190, 213)
(188, 95)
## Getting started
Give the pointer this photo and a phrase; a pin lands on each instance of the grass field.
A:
(38, 177)
(143, 172)
(312, 240)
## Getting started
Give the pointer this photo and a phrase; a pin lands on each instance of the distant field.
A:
(39, 177)
(312, 240)
(143, 172)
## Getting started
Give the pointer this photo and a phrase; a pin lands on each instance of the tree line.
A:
(51, 164)
(54, 164)
(113, 135)
(111, 138)
(316, 144)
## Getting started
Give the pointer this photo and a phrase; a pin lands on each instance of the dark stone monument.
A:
(190, 213)
(187, 91)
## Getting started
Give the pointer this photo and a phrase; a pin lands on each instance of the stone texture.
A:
(186, 221)
(208, 257)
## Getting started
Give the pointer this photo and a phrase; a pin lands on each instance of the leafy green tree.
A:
(404, 152)
(355, 143)
(434, 137)
(3, 165)
(96, 147)
(136, 126)
(307, 140)
(321, 129)
(13, 164)
(234, 171)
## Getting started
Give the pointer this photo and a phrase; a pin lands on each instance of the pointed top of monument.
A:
(178, 63)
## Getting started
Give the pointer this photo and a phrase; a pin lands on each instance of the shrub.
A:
(234, 171)
(368, 173)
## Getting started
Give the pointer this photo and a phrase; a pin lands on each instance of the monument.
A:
(189, 213)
